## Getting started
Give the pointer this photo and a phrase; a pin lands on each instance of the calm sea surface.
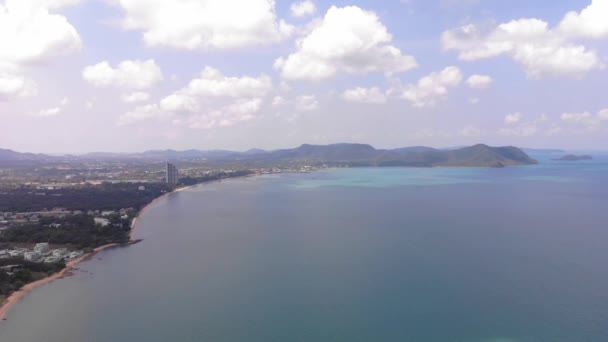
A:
(518, 254)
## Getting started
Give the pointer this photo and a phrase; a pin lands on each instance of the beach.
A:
(17, 295)
(6, 305)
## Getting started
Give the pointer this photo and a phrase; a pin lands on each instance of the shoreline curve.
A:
(16, 296)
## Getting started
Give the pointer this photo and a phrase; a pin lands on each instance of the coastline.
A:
(27, 288)
(16, 296)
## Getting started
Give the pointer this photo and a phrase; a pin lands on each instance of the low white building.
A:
(41, 248)
(60, 252)
(19, 252)
(101, 221)
(31, 256)
(75, 254)
(52, 259)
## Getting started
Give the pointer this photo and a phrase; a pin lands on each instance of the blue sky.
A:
(130, 75)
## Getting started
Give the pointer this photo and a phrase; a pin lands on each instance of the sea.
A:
(517, 254)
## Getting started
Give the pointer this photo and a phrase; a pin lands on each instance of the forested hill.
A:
(336, 154)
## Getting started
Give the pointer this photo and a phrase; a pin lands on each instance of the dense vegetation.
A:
(107, 196)
(79, 231)
(186, 181)
(28, 272)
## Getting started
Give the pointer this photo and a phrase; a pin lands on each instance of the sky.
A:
(80, 76)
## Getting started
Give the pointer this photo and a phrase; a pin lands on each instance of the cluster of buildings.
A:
(41, 253)
(8, 219)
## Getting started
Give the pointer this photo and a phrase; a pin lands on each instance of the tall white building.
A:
(172, 174)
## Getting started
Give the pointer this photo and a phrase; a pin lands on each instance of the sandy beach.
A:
(17, 295)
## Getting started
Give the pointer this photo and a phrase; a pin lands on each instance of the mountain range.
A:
(335, 154)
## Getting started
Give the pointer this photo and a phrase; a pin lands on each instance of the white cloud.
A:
(31, 34)
(542, 51)
(13, 86)
(432, 88)
(585, 120)
(303, 8)
(54, 111)
(278, 101)
(479, 81)
(213, 86)
(129, 74)
(591, 22)
(471, 132)
(138, 96)
(474, 100)
(518, 128)
(349, 40)
(577, 118)
(513, 118)
(364, 95)
(522, 130)
(210, 100)
(306, 103)
(141, 113)
(205, 24)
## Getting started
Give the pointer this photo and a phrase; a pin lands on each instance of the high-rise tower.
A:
(172, 174)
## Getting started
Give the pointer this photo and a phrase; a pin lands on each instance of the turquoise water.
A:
(423, 255)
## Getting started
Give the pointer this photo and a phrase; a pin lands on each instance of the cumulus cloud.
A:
(138, 96)
(479, 81)
(140, 113)
(471, 132)
(347, 39)
(49, 112)
(586, 120)
(306, 103)
(577, 118)
(364, 95)
(530, 42)
(13, 86)
(205, 24)
(303, 8)
(519, 128)
(432, 88)
(129, 74)
(210, 100)
(54, 111)
(591, 22)
(30, 34)
(513, 118)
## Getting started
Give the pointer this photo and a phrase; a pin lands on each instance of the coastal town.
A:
(55, 213)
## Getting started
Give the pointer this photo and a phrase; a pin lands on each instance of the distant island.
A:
(344, 155)
(572, 157)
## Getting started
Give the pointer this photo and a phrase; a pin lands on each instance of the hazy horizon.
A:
(59, 153)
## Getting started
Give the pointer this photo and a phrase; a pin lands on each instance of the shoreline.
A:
(16, 296)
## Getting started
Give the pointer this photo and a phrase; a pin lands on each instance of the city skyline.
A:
(133, 75)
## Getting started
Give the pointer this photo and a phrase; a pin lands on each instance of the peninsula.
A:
(573, 157)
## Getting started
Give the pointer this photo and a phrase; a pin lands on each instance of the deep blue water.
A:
(518, 254)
